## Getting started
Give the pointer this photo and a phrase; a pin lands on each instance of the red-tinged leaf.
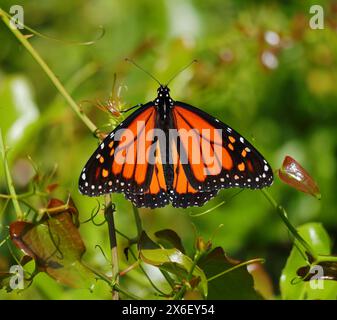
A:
(51, 187)
(293, 174)
(56, 246)
(56, 206)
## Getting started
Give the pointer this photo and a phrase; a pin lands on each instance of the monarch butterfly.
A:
(171, 152)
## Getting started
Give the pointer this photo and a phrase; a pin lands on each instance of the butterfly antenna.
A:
(140, 68)
(181, 70)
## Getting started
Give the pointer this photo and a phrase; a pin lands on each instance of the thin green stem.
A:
(139, 232)
(48, 71)
(180, 294)
(321, 258)
(138, 221)
(234, 268)
(10, 185)
(3, 241)
(283, 215)
(146, 275)
(115, 286)
(128, 294)
(168, 278)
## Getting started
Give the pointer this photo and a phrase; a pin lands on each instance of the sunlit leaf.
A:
(171, 260)
(293, 174)
(56, 246)
(291, 284)
(236, 284)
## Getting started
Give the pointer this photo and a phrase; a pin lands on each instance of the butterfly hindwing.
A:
(182, 193)
(156, 195)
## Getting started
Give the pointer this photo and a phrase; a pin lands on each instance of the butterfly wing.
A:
(182, 193)
(215, 156)
(155, 195)
(207, 156)
(113, 167)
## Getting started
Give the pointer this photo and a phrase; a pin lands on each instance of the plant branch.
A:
(109, 216)
(245, 263)
(9, 180)
(6, 19)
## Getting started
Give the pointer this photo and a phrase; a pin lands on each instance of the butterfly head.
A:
(163, 97)
(163, 91)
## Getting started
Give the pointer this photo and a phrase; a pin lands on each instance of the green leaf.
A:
(236, 284)
(56, 246)
(171, 237)
(291, 285)
(171, 260)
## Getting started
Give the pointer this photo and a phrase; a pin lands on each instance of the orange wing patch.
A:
(203, 144)
(157, 183)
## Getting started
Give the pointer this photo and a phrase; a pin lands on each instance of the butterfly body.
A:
(171, 152)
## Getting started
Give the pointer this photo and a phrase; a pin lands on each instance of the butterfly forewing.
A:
(156, 195)
(114, 166)
(217, 156)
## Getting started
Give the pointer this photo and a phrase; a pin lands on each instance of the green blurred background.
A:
(262, 70)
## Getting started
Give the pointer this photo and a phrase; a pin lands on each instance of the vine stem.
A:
(245, 263)
(6, 19)
(11, 189)
(180, 294)
(138, 222)
(109, 216)
(283, 215)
